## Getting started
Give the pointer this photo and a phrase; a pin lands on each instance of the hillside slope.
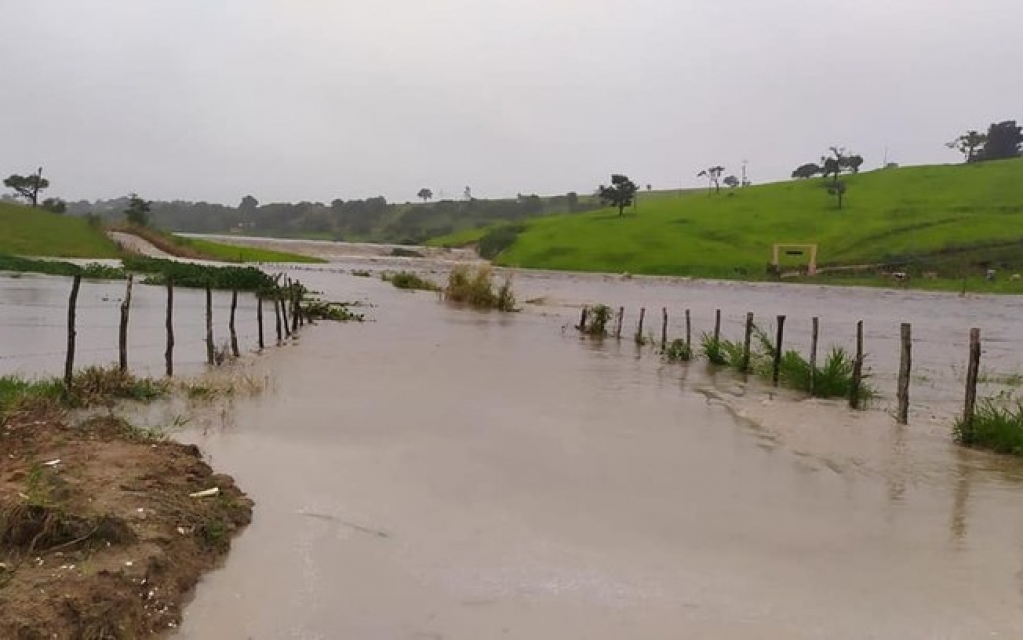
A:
(940, 217)
(34, 232)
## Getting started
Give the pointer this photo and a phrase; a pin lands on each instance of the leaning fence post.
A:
(664, 328)
(905, 366)
(972, 373)
(210, 354)
(72, 333)
(747, 341)
(639, 328)
(717, 325)
(582, 320)
(857, 374)
(621, 319)
(168, 354)
(122, 334)
(776, 370)
(813, 354)
(234, 334)
(259, 319)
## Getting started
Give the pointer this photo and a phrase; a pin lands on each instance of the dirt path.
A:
(134, 244)
(99, 535)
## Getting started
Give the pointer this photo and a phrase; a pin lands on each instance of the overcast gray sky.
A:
(320, 99)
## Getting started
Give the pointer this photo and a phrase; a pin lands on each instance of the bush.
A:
(497, 240)
(474, 286)
(410, 281)
(996, 426)
(597, 318)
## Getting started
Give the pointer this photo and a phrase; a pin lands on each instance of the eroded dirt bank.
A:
(99, 535)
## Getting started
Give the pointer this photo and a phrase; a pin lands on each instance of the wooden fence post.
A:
(168, 354)
(122, 334)
(664, 328)
(582, 320)
(234, 334)
(72, 333)
(277, 315)
(857, 375)
(972, 373)
(776, 370)
(259, 319)
(639, 329)
(621, 319)
(717, 325)
(296, 310)
(210, 352)
(689, 331)
(746, 343)
(905, 367)
(814, 332)
(284, 314)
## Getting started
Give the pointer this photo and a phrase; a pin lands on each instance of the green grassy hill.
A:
(942, 218)
(34, 232)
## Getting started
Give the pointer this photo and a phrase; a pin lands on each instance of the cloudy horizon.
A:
(315, 100)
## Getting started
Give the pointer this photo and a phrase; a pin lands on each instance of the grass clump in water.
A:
(678, 350)
(475, 287)
(996, 426)
(713, 350)
(410, 281)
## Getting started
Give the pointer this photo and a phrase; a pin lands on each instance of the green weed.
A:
(997, 426)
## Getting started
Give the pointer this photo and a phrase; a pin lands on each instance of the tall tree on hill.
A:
(713, 175)
(137, 212)
(1004, 140)
(28, 187)
(620, 194)
(425, 194)
(970, 144)
(248, 205)
(731, 182)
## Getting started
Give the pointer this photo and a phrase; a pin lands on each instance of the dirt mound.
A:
(100, 535)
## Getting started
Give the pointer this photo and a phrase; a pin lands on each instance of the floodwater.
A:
(443, 473)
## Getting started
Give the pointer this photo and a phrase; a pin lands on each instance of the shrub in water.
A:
(410, 281)
(597, 319)
(474, 286)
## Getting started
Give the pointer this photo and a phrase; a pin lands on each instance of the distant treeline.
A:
(372, 219)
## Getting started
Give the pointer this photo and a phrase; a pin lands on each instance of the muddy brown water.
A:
(443, 473)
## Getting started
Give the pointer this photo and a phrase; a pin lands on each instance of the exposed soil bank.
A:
(107, 542)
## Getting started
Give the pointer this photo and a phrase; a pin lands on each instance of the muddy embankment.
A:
(101, 535)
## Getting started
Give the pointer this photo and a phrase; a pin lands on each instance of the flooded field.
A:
(443, 473)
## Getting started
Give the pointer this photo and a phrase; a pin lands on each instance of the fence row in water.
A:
(594, 320)
(288, 313)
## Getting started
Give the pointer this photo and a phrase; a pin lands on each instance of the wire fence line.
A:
(34, 325)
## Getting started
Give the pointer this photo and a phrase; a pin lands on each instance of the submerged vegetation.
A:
(90, 387)
(410, 281)
(474, 286)
(678, 350)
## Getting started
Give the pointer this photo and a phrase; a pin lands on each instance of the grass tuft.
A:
(996, 426)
